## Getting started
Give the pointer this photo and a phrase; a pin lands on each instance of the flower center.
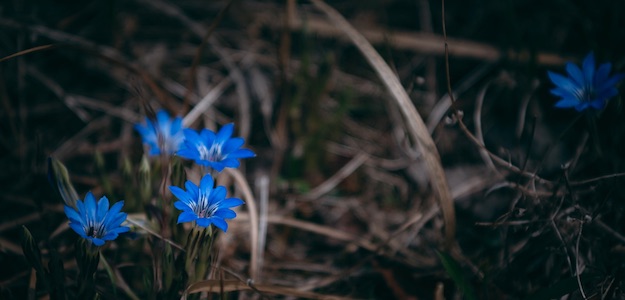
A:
(163, 142)
(203, 210)
(207, 212)
(586, 93)
(213, 154)
(94, 230)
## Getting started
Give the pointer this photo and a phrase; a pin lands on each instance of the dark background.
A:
(308, 103)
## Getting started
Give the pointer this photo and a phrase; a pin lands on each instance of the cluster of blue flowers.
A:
(204, 204)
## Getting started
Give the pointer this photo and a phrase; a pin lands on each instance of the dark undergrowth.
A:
(347, 204)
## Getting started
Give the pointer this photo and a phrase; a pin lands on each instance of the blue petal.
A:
(103, 208)
(116, 221)
(78, 228)
(567, 102)
(186, 216)
(225, 213)
(143, 131)
(192, 189)
(598, 104)
(176, 126)
(242, 153)
(614, 79)
(96, 241)
(232, 144)
(582, 106)
(231, 202)
(113, 213)
(220, 223)
(562, 81)
(231, 162)
(218, 194)
(162, 118)
(90, 207)
(609, 93)
(564, 94)
(72, 214)
(217, 165)
(602, 74)
(177, 137)
(224, 133)
(121, 229)
(202, 162)
(109, 236)
(588, 67)
(113, 234)
(154, 150)
(575, 73)
(183, 206)
(191, 138)
(189, 152)
(203, 222)
(80, 206)
(206, 184)
(116, 208)
(207, 137)
(181, 195)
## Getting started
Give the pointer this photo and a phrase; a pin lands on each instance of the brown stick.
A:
(422, 42)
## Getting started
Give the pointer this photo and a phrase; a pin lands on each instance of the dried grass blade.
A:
(333, 181)
(27, 51)
(253, 211)
(206, 102)
(416, 127)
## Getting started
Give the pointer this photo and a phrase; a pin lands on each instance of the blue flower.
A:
(95, 222)
(204, 204)
(163, 135)
(585, 87)
(218, 151)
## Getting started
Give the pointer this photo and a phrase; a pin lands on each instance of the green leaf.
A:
(87, 258)
(169, 271)
(116, 281)
(110, 273)
(455, 272)
(31, 251)
(59, 178)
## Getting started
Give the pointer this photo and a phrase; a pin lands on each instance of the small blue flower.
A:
(164, 135)
(204, 204)
(585, 87)
(218, 151)
(95, 222)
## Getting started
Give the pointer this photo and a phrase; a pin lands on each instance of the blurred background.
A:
(347, 203)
